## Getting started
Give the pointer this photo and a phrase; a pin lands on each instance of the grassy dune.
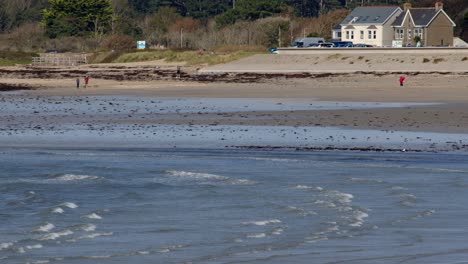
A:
(11, 58)
(188, 57)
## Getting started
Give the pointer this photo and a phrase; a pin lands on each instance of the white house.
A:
(371, 25)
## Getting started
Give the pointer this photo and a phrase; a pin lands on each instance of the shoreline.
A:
(146, 105)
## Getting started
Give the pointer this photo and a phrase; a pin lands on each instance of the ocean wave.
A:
(53, 236)
(299, 211)
(57, 210)
(257, 235)
(358, 218)
(93, 216)
(277, 231)
(273, 159)
(6, 245)
(263, 222)
(207, 177)
(94, 235)
(69, 205)
(45, 227)
(35, 246)
(364, 180)
(76, 177)
(88, 227)
(344, 198)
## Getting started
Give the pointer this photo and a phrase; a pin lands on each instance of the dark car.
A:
(343, 44)
(362, 45)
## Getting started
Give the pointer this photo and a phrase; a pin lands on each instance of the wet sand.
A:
(446, 95)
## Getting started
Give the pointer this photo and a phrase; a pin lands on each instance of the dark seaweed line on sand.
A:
(7, 87)
(147, 74)
(354, 149)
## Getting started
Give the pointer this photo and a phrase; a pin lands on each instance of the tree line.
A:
(33, 24)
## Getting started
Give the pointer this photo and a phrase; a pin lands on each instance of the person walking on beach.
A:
(77, 83)
(86, 80)
(402, 79)
(178, 72)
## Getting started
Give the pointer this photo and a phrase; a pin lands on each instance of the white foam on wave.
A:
(39, 262)
(258, 235)
(207, 177)
(398, 188)
(364, 180)
(36, 246)
(315, 239)
(94, 235)
(306, 187)
(302, 187)
(344, 198)
(263, 222)
(277, 231)
(88, 227)
(93, 216)
(274, 159)
(76, 177)
(69, 205)
(323, 203)
(196, 175)
(300, 211)
(98, 257)
(58, 210)
(45, 228)
(169, 248)
(358, 218)
(53, 236)
(6, 245)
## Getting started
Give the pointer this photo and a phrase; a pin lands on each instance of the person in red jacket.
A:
(86, 80)
(402, 79)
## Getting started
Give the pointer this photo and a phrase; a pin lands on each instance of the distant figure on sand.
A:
(402, 79)
(77, 83)
(178, 72)
(86, 80)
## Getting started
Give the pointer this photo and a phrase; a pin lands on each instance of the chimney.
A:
(439, 5)
(407, 6)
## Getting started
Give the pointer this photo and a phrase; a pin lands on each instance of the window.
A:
(347, 34)
(399, 33)
(375, 34)
(361, 34)
(418, 32)
(409, 33)
(352, 34)
(369, 34)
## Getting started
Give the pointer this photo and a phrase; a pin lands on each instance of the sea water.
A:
(231, 206)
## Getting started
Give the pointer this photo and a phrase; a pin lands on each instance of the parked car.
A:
(322, 45)
(305, 42)
(273, 50)
(343, 44)
(362, 45)
(326, 45)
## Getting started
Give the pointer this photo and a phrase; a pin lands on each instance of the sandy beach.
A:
(436, 100)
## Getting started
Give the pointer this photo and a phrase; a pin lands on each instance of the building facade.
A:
(369, 25)
(432, 25)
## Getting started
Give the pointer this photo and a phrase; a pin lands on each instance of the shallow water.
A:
(227, 206)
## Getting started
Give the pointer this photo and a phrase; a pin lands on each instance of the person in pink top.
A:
(402, 79)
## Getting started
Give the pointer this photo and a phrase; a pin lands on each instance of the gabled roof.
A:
(420, 16)
(370, 15)
(337, 27)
